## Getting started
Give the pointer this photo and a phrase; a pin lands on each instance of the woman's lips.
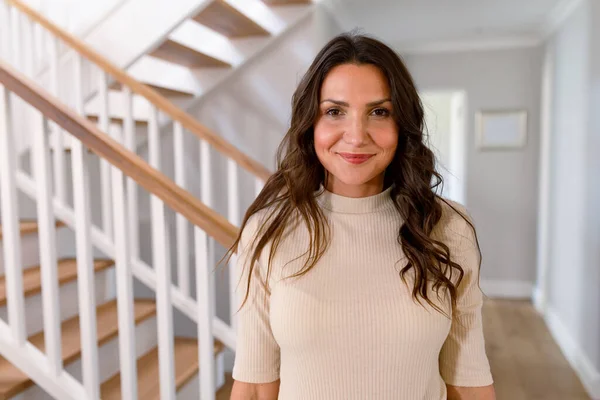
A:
(354, 158)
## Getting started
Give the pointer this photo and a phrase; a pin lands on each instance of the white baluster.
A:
(27, 30)
(5, 32)
(47, 240)
(233, 193)
(205, 174)
(38, 39)
(132, 188)
(205, 284)
(233, 198)
(58, 156)
(206, 195)
(17, 43)
(103, 124)
(126, 316)
(11, 239)
(163, 272)
(183, 250)
(85, 264)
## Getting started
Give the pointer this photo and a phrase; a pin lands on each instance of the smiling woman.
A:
(360, 281)
(355, 127)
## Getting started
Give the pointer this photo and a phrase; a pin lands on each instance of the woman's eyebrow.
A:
(345, 104)
(378, 102)
(338, 102)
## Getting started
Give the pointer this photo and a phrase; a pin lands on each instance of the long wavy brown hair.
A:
(290, 193)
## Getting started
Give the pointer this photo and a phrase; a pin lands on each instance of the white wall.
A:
(573, 270)
(501, 186)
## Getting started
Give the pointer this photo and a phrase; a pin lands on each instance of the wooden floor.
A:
(526, 362)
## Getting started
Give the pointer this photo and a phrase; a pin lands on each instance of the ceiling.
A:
(412, 22)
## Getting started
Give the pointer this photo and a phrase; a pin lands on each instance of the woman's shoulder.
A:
(455, 221)
(261, 220)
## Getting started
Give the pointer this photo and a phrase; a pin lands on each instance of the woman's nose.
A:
(356, 132)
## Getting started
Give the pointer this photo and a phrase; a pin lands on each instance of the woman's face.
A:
(355, 134)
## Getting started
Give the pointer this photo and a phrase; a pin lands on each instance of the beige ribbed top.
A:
(350, 329)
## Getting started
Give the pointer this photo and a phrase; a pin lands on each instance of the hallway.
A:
(526, 362)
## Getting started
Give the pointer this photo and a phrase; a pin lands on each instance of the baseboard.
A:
(539, 299)
(584, 368)
(507, 289)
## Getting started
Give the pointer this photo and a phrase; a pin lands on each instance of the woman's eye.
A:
(381, 112)
(334, 112)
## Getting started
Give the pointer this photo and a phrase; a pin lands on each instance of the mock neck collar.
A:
(354, 205)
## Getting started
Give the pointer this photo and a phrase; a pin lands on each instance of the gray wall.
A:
(501, 185)
(573, 297)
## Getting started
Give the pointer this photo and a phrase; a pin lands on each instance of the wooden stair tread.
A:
(186, 366)
(67, 272)
(13, 381)
(28, 227)
(228, 21)
(115, 120)
(178, 53)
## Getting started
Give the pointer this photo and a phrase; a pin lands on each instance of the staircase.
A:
(15, 382)
(73, 322)
(214, 40)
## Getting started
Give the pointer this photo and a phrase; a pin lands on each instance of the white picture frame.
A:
(501, 129)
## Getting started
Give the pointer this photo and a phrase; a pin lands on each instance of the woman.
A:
(361, 283)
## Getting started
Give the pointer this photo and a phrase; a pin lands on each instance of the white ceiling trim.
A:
(559, 15)
(474, 44)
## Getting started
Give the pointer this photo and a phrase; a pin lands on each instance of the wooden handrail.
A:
(131, 164)
(186, 120)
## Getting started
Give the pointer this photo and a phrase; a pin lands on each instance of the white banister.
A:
(163, 271)
(183, 248)
(105, 178)
(58, 156)
(47, 242)
(206, 309)
(129, 140)
(11, 239)
(85, 265)
(233, 198)
(126, 316)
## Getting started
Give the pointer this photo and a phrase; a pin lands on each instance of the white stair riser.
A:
(30, 252)
(145, 340)
(108, 354)
(30, 248)
(69, 305)
(191, 390)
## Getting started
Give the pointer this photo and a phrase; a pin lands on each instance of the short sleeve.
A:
(257, 357)
(463, 361)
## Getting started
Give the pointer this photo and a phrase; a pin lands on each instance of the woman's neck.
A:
(367, 189)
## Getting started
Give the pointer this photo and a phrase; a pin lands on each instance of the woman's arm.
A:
(254, 391)
(471, 393)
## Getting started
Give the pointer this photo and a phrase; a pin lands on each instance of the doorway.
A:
(445, 112)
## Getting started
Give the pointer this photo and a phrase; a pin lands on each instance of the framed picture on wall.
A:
(501, 129)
